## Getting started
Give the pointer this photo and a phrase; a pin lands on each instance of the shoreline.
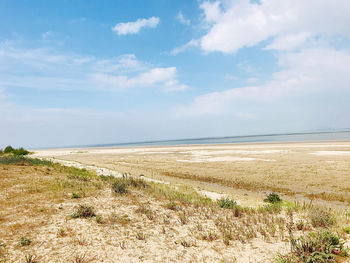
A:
(233, 169)
(190, 145)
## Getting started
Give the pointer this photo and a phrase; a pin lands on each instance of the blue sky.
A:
(87, 72)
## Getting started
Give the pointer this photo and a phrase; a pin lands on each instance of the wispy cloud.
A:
(163, 78)
(135, 27)
(192, 43)
(47, 69)
(181, 18)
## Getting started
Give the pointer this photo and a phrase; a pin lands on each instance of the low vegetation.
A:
(55, 196)
(320, 246)
(10, 150)
(273, 198)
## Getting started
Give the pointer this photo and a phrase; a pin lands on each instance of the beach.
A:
(302, 171)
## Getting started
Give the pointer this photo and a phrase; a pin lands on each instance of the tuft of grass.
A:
(75, 195)
(346, 230)
(29, 258)
(182, 194)
(146, 211)
(84, 212)
(140, 236)
(99, 219)
(172, 206)
(24, 241)
(82, 258)
(227, 203)
(119, 187)
(78, 174)
(273, 198)
(322, 218)
(209, 236)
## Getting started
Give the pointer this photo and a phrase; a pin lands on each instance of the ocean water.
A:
(291, 137)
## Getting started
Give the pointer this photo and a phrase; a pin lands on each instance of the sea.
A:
(286, 137)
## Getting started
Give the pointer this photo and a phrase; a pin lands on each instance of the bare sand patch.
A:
(340, 153)
(288, 168)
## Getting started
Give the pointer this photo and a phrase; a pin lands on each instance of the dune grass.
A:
(36, 189)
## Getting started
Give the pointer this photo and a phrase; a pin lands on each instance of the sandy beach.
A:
(316, 171)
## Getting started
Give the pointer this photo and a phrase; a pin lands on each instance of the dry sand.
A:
(246, 172)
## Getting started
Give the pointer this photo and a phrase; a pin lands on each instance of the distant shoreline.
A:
(322, 136)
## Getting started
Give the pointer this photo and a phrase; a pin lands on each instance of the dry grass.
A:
(152, 222)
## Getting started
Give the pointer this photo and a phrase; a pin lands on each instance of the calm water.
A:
(292, 137)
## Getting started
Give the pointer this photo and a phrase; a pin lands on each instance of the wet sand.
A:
(246, 172)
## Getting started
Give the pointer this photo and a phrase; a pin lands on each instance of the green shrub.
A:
(24, 242)
(84, 212)
(19, 151)
(227, 203)
(8, 149)
(315, 247)
(19, 159)
(273, 198)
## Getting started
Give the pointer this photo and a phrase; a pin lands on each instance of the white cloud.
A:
(164, 78)
(135, 27)
(289, 42)
(47, 69)
(180, 17)
(192, 43)
(211, 10)
(289, 23)
(310, 78)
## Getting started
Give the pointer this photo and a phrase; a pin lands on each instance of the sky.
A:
(110, 71)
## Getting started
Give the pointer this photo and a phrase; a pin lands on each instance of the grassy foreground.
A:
(53, 213)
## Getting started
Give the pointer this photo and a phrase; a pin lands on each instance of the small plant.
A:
(186, 243)
(300, 225)
(119, 187)
(322, 218)
(172, 206)
(273, 198)
(99, 219)
(209, 236)
(227, 203)
(61, 232)
(24, 242)
(81, 258)
(146, 211)
(29, 258)
(140, 236)
(346, 230)
(75, 195)
(83, 212)
(316, 247)
(183, 218)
